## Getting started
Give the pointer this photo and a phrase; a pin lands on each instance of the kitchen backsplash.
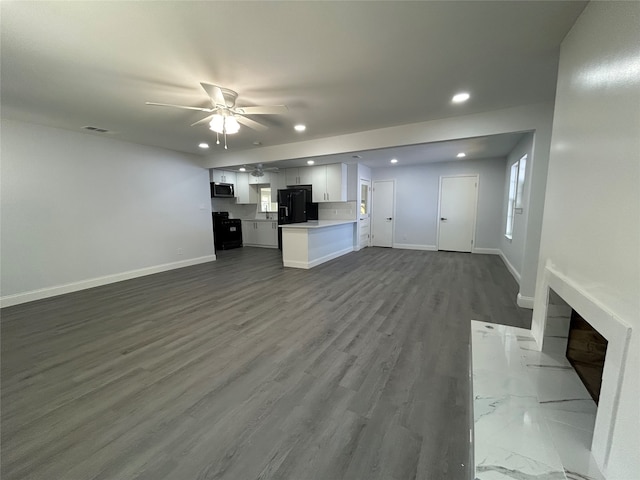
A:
(326, 211)
(337, 211)
(243, 211)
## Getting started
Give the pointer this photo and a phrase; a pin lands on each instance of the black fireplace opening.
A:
(586, 351)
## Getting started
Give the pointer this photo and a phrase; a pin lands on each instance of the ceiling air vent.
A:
(96, 129)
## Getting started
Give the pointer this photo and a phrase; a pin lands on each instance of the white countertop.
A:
(317, 224)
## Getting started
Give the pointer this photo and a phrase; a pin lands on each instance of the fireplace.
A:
(552, 318)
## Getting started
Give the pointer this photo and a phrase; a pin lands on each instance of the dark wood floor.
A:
(240, 369)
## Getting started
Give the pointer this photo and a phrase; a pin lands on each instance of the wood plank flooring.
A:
(241, 369)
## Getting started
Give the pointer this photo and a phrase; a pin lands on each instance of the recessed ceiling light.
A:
(460, 97)
(461, 154)
(310, 162)
(257, 144)
(204, 145)
(300, 128)
(242, 169)
(394, 160)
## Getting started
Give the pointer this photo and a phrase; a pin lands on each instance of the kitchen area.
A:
(309, 213)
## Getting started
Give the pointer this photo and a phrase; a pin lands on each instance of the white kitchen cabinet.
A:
(268, 234)
(337, 182)
(264, 179)
(260, 233)
(249, 232)
(222, 176)
(319, 184)
(291, 176)
(299, 176)
(329, 183)
(245, 192)
(278, 182)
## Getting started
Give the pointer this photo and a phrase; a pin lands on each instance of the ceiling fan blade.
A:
(263, 110)
(200, 109)
(250, 123)
(215, 92)
(203, 121)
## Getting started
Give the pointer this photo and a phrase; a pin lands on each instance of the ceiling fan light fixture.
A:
(226, 124)
(300, 128)
(217, 124)
(231, 125)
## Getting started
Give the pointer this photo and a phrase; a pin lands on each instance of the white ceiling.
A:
(340, 67)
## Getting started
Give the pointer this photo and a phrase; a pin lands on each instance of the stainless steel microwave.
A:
(222, 190)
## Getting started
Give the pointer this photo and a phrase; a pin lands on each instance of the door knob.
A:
(389, 218)
(442, 218)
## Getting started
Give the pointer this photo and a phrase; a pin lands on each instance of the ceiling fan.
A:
(259, 169)
(225, 117)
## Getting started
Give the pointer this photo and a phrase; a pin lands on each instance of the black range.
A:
(227, 232)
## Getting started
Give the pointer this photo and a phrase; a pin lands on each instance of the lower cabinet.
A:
(260, 233)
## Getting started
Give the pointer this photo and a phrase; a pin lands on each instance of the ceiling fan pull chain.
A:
(217, 138)
(225, 140)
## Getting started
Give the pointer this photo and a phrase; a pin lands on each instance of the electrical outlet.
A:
(335, 212)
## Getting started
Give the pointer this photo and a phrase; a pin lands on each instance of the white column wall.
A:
(591, 227)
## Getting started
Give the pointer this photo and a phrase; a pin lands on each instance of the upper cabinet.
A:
(222, 176)
(299, 176)
(245, 192)
(329, 183)
(278, 182)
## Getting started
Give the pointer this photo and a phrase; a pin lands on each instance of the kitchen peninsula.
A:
(308, 244)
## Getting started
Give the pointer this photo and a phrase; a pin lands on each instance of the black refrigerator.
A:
(294, 206)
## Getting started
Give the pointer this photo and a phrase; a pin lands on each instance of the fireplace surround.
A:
(613, 329)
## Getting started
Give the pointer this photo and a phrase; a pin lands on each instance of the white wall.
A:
(417, 193)
(513, 250)
(80, 210)
(591, 227)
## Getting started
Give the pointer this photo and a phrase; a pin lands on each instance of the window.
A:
(265, 200)
(516, 189)
(364, 199)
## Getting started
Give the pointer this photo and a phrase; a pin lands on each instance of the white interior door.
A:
(457, 220)
(382, 213)
(364, 215)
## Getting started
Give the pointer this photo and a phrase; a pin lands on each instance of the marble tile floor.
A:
(533, 417)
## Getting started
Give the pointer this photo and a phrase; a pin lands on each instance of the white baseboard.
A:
(41, 293)
(317, 261)
(510, 267)
(525, 302)
(486, 251)
(409, 246)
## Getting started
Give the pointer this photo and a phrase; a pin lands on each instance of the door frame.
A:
(475, 210)
(370, 206)
(393, 229)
